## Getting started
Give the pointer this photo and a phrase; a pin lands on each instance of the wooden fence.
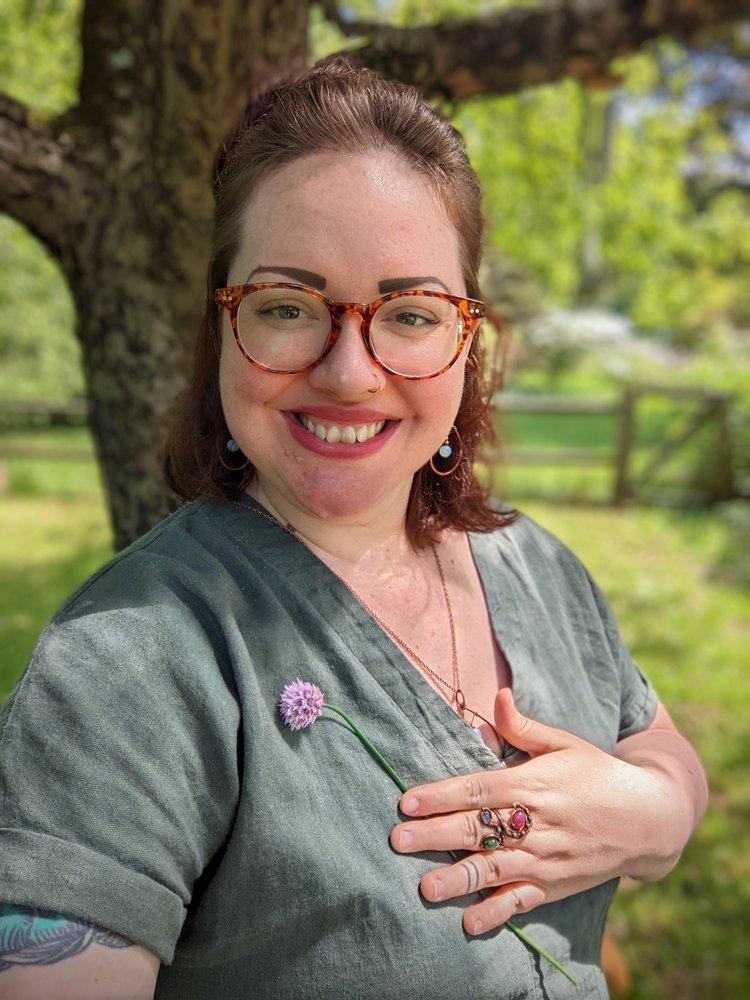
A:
(716, 477)
(716, 474)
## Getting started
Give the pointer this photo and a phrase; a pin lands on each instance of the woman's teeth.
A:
(336, 433)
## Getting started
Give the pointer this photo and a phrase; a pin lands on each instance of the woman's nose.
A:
(347, 370)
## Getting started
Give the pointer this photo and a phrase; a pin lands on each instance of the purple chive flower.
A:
(301, 703)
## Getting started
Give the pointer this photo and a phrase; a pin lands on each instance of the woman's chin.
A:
(334, 495)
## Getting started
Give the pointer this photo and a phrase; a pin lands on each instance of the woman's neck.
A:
(371, 545)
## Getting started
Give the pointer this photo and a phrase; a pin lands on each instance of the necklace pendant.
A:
(460, 701)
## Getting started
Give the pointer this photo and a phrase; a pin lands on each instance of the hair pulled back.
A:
(333, 107)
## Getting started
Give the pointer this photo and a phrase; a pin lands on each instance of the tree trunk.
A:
(597, 126)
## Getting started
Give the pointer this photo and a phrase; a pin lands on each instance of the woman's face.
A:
(353, 226)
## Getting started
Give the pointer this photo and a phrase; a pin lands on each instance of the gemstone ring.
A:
(515, 827)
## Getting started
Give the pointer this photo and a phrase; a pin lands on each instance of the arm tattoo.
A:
(465, 866)
(32, 936)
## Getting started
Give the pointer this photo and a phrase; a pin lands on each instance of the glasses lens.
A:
(283, 328)
(416, 334)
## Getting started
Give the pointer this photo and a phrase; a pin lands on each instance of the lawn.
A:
(685, 614)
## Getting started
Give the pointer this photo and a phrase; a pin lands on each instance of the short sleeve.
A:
(638, 698)
(118, 759)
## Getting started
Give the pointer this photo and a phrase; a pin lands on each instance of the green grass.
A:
(49, 477)
(689, 628)
(687, 622)
(47, 547)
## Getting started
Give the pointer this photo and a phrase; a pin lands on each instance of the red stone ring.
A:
(516, 827)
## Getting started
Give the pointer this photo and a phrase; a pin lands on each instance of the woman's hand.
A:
(594, 816)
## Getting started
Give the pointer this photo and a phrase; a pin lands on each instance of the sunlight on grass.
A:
(47, 548)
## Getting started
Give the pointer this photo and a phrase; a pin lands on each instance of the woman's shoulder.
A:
(525, 534)
(543, 568)
(174, 554)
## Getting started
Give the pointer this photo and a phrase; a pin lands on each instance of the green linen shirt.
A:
(149, 785)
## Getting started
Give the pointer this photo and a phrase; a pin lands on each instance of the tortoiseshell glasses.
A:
(286, 328)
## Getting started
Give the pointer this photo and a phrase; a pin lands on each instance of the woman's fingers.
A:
(466, 791)
(456, 831)
(501, 905)
(470, 791)
(478, 871)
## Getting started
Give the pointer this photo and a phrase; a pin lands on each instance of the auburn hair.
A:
(336, 106)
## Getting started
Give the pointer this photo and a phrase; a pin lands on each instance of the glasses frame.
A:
(231, 296)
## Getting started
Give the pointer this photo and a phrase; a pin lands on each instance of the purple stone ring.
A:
(515, 827)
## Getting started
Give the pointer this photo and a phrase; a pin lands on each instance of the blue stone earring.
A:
(233, 447)
(445, 451)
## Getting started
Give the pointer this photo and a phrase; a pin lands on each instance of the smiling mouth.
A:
(342, 433)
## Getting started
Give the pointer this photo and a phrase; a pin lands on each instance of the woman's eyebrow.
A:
(319, 282)
(306, 277)
(396, 284)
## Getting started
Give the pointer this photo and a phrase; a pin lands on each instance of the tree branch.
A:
(524, 46)
(39, 176)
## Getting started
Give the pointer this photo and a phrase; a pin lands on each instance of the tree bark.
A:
(118, 187)
(595, 145)
(518, 47)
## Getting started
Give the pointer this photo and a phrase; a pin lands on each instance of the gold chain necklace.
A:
(457, 694)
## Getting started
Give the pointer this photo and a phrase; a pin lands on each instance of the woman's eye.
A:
(412, 319)
(284, 309)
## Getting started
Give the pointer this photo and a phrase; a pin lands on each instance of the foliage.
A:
(39, 355)
(668, 266)
(41, 63)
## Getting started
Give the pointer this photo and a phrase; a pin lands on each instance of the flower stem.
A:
(373, 750)
(403, 787)
(542, 951)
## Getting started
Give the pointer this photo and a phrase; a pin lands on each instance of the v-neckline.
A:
(452, 737)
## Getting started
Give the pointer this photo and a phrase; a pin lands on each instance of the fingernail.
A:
(405, 840)
(478, 925)
(411, 804)
(438, 888)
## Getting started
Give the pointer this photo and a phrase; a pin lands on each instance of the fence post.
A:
(623, 489)
(720, 485)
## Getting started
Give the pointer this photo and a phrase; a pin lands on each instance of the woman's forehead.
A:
(350, 216)
(381, 174)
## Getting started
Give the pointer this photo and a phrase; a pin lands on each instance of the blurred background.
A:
(614, 154)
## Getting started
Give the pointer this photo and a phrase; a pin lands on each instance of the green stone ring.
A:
(492, 843)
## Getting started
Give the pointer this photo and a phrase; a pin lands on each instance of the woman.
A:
(334, 531)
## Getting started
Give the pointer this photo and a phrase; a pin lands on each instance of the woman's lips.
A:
(338, 450)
